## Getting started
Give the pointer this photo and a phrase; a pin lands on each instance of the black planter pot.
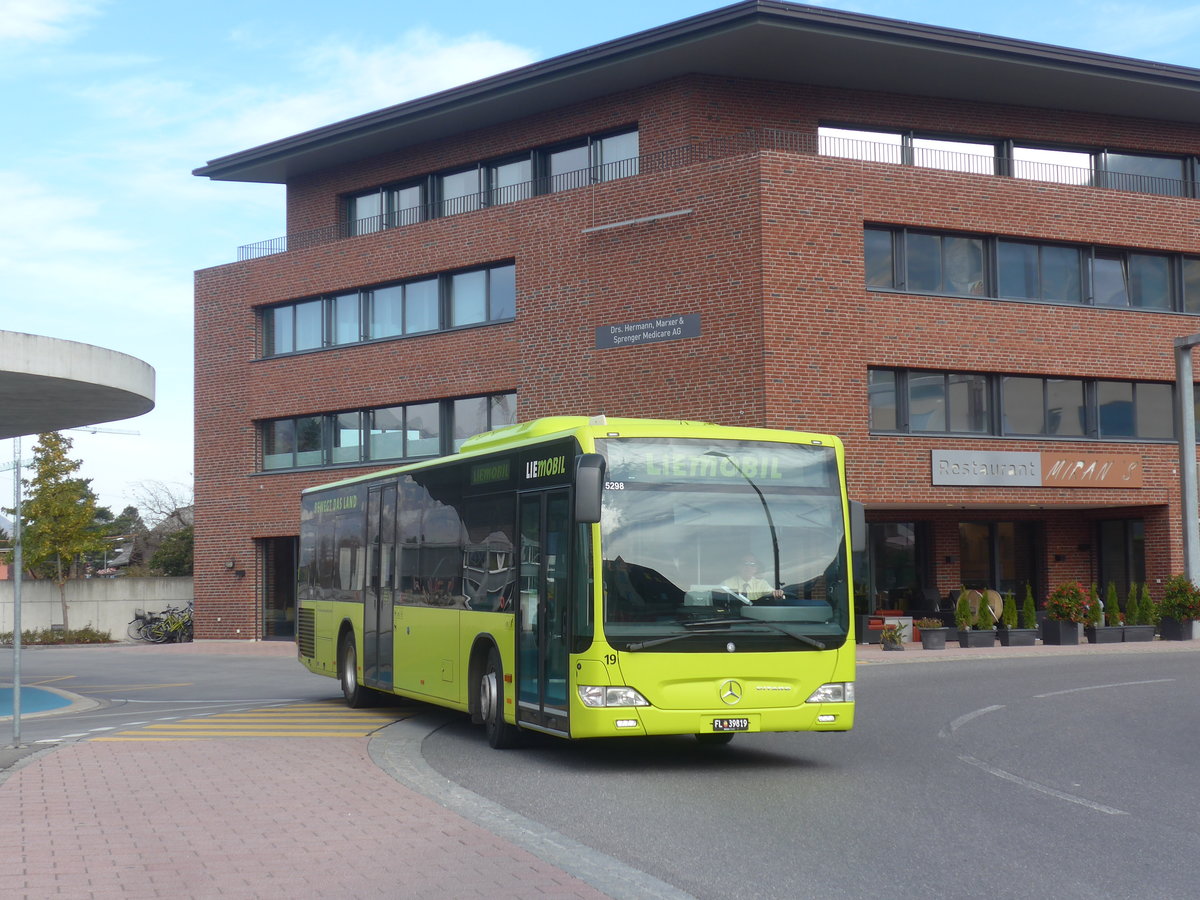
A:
(1017, 637)
(1056, 631)
(1176, 629)
(1104, 634)
(933, 638)
(888, 645)
(1139, 633)
(985, 638)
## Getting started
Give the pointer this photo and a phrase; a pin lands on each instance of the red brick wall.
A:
(769, 254)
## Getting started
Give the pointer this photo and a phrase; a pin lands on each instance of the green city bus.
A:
(593, 577)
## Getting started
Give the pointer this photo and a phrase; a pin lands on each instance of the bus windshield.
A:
(711, 542)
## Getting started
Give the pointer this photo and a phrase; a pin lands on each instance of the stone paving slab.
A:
(246, 819)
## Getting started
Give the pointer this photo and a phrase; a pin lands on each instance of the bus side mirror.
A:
(589, 487)
(858, 527)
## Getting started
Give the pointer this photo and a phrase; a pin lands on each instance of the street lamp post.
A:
(1186, 417)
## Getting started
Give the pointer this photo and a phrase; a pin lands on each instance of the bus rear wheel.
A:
(500, 734)
(356, 695)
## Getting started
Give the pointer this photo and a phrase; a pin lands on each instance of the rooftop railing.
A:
(747, 142)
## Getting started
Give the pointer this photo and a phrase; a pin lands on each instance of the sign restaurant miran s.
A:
(998, 468)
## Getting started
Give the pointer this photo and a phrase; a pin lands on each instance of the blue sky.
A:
(108, 105)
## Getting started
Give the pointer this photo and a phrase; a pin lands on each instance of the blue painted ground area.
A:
(33, 700)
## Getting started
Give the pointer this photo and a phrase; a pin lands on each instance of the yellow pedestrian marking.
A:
(324, 720)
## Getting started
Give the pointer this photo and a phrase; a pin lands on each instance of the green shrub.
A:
(1008, 615)
(1151, 612)
(983, 614)
(1112, 606)
(1068, 603)
(962, 611)
(1133, 607)
(1028, 609)
(85, 635)
(1180, 600)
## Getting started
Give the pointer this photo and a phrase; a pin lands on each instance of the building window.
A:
(293, 443)
(1047, 272)
(915, 401)
(1060, 166)
(588, 160)
(1138, 172)
(460, 192)
(392, 310)
(387, 207)
(927, 262)
(392, 433)
(1144, 174)
(1191, 285)
(510, 181)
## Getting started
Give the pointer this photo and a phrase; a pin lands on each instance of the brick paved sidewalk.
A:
(246, 819)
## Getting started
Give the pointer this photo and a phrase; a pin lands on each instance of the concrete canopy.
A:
(48, 384)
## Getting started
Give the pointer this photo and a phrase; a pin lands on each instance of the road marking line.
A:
(963, 720)
(1041, 788)
(1097, 687)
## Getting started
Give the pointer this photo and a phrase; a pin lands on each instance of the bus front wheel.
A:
(500, 734)
(356, 695)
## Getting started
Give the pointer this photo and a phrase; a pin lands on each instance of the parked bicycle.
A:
(172, 625)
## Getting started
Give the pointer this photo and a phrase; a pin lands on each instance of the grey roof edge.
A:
(738, 15)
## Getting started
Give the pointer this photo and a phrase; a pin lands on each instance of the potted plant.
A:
(975, 625)
(933, 633)
(1179, 608)
(1008, 632)
(1066, 607)
(892, 636)
(1111, 631)
(1139, 614)
(962, 614)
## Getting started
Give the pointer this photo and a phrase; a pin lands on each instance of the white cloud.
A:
(39, 21)
(1141, 30)
(340, 79)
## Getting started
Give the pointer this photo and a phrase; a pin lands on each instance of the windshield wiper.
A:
(714, 626)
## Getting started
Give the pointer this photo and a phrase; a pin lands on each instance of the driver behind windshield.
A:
(749, 583)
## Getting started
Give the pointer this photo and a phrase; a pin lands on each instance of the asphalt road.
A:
(1065, 777)
(133, 683)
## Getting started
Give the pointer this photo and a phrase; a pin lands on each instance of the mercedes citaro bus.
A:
(593, 577)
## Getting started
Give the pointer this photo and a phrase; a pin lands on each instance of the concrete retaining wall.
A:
(106, 604)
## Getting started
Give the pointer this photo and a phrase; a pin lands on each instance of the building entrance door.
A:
(279, 588)
(1000, 556)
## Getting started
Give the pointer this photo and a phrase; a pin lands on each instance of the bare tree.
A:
(164, 503)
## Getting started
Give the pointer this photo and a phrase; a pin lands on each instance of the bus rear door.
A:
(379, 594)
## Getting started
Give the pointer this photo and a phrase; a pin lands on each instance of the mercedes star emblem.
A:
(731, 692)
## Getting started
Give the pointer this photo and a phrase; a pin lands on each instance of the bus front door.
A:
(542, 646)
(381, 579)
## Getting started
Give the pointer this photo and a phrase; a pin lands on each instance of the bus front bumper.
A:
(649, 720)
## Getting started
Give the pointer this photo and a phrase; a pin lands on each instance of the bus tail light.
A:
(835, 692)
(598, 695)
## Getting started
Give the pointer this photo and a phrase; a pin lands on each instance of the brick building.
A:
(966, 255)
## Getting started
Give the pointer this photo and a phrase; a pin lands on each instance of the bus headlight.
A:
(598, 695)
(836, 692)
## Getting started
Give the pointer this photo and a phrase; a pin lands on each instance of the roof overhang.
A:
(760, 39)
(48, 384)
